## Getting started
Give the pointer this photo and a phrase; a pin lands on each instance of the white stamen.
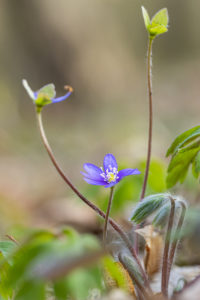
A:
(110, 175)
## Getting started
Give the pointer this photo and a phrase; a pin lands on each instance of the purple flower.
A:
(107, 176)
(46, 94)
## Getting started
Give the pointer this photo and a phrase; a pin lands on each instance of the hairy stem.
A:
(165, 264)
(149, 75)
(107, 215)
(176, 240)
(149, 80)
(115, 226)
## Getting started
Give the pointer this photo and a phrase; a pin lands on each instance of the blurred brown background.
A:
(99, 48)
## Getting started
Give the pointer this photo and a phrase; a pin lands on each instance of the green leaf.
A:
(145, 14)
(162, 215)
(158, 23)
(149, 205)
(161, 18)
(155, 30)
(6, 248)
(196, 165)
(183, 139)
(47, 91)
(180, 163)
(6, 292)
(115, 272)
(184, 153)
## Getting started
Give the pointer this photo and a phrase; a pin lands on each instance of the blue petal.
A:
(127, 172)
(93, 177)
(93, 171)
(94, 182)
(55, 100)
(109, 160)
(35, 95)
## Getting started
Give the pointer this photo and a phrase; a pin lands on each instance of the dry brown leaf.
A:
(154, 249)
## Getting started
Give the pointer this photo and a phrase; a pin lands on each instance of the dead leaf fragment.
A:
(153, 248)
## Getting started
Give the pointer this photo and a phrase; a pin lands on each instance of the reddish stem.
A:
(115, 226)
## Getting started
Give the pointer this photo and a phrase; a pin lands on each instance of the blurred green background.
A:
(99, 48)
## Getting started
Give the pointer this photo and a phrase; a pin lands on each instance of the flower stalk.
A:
(115, 226)
(149, 79)
(107, 215)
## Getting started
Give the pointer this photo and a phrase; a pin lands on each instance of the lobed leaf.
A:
(183, 139)
(196, 165)
(180, 162)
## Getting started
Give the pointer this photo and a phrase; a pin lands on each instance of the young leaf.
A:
(145, 14)
(161, 17)
(149, 205)
(157, 30)
(47, 91)
(162, 215)
(158, 24)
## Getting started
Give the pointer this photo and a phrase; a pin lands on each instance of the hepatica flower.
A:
(46, 94)
(107, 176)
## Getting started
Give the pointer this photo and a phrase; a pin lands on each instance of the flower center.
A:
(110, 175)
